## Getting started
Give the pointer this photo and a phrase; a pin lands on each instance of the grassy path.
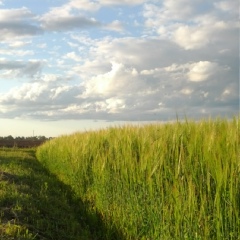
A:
(34, 204)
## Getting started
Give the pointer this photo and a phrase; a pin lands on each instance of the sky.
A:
(77, 65)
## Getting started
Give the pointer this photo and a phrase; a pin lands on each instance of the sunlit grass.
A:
(166, 181)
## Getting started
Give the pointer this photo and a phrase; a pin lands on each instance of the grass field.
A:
(34, 204)
(157, 182)
(169, 181)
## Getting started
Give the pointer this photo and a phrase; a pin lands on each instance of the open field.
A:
(171, 181)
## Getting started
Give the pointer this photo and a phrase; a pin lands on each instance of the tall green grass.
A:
(163, 181)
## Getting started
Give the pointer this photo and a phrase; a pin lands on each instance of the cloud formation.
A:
(68, 23)
(13, 69)
(17, 23)
(72, 61)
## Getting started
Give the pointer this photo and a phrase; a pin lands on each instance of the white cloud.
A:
(191, 37)
(169, 12)
(58, 91)
(90, 68)
(192, 27)
(65, 23)
(27, 92)
(82, 39)
(69, 16)
(133, 57)
(42, 46)
(73, 15)
(115, 105)
(201, 71)
(121, 2)
(18, 44)
(84, 5)
(186, 91)
(228, 94)
(67, 9)
(151, 72)
(15, 52)
(17, 23)
(54, 78)
(111, 105)
(14, 69)
(17, 14)
(48, 95)
(116, 25)
(72, 56)
(195, 72)
(120, 80)
(180, 9)
(231, 6)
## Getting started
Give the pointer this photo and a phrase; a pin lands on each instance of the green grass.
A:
(169, 181)
(34, 204)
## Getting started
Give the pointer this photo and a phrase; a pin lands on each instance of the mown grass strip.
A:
(34, 204)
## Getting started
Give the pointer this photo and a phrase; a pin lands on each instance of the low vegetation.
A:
(22, 142)
(171, 181)
(34, 204)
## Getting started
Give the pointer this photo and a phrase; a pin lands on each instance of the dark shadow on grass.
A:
(46, 206)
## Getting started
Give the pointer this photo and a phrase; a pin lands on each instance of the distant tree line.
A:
(22, 142)
(34, 138)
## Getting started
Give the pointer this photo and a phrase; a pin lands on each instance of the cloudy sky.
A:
(79, 64)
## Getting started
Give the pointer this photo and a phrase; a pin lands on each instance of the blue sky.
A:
(76, 65)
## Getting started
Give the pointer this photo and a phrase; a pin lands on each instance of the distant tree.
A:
(19, 138)
(10, 137)
(42, 138)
